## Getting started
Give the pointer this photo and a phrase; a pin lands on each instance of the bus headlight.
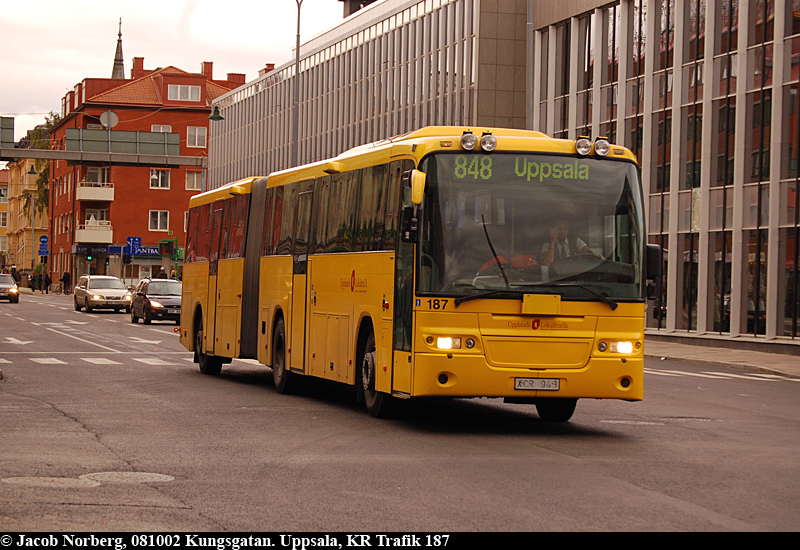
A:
(621, 347)
(583, 146)
(488, 142)
(448, 343)
(602, 146)
(469, 141)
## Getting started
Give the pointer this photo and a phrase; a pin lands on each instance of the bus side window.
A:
(287, 220)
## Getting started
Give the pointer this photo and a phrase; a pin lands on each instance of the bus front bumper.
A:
(472, 376)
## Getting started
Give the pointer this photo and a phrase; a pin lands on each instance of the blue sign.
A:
(43, 239)
(43, 250)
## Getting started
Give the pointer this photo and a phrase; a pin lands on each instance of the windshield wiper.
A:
(463, 299)
(605, 299)
(496, 259)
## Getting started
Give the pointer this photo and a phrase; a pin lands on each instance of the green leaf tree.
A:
(39, 138)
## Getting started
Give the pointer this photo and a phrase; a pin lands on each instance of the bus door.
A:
(213, 261)
(302, 221)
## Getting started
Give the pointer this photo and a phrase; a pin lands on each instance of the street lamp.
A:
(296, 106)
(32, 172)
(215, 115)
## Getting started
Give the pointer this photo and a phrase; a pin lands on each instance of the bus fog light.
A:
(448, 343)
(621, 347)
(469, 141)
(469, 343)
(602, 346)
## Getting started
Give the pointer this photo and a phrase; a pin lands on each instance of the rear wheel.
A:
(556, 409)
(208, 363)
(284, 380)
(77, 306)
(87, 306)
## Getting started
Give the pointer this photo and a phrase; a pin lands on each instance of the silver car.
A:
(101, 292)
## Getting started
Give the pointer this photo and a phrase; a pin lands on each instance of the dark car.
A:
(158, 299)
(8, 288)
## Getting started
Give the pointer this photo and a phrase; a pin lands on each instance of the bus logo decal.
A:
(536, 323)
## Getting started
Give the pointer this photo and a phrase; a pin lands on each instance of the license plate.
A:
(173, 311)
(546, 384)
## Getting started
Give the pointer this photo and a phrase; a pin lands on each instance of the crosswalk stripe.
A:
(100, 361)
(731, 375)
(47, 361)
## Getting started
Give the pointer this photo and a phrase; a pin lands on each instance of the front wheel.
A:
(77, 305)
(556, 409)
(284, 380)
(378, 403)
(57, 290)
(134, 317)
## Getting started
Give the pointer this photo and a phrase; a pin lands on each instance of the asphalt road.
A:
(162, 447)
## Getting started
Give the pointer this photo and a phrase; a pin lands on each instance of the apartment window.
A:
(165, 128)
(193, 181)
(3, 243)
(183, 93)
(185, 221)
(97, 174)
(159, 179)
(3, 219)
(159, 220)
(4, 194)
(196, 136)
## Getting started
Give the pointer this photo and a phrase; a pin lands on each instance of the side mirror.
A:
(653, 262)
(410, 224)
(417, 186)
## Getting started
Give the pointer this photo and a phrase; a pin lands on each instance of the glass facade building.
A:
(705, 92)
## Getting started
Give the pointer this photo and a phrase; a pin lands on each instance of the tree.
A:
(39, 138)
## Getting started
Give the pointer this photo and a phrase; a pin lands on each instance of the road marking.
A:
(82, 340)
(100, 361)
(71, 322)
(659, 373)
(47, 361)
(151, 361)
(682, 373)
(743, 377)
(6, 361)
(19, 342)
(143, 341)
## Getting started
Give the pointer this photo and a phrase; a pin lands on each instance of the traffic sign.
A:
(43, 239)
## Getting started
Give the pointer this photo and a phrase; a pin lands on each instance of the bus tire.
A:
(284, 380)
(208, 363)
(378, 403)
(556, 409)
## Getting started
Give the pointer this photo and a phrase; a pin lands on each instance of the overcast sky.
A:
(48, 46)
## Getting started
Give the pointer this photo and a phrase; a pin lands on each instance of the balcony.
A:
(95, 232)
(94, 191)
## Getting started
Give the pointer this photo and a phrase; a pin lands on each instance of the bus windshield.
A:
(515, 223)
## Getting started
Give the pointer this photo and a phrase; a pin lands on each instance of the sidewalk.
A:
(777, 363)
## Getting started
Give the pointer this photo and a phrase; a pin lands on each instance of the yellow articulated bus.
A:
(451, 262)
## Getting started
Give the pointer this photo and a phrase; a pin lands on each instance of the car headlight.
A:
(97, 297)
(13, 290)
(128, 297)
(155, 304)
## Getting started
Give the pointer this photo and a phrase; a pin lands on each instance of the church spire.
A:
(119, 66)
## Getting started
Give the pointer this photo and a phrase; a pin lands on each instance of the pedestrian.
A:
(162, 274)
(172, 275)
(47, 282)
(16, 275)
(65, 280)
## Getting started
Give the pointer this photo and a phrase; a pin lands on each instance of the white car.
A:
(101, 292)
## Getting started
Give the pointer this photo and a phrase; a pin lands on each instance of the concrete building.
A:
(705, 92)
(98, 210)
(4, 259)
(24, 225)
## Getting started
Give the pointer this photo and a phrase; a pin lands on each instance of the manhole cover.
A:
(126, 477)
(57, 482)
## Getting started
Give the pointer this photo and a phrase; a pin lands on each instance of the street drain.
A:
(127, 477)
(54, 482)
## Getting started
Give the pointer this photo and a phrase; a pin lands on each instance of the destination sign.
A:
(510, 167)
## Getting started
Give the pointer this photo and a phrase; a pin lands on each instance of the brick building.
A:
(96, 209)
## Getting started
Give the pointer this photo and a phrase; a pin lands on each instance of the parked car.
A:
(158, 299)
(101, 292)
(8, 288)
